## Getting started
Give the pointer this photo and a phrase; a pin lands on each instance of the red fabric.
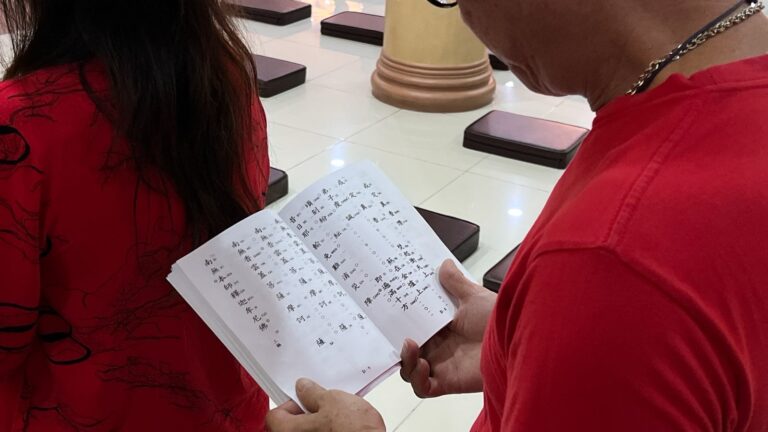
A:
(92, 337)
(639, 300)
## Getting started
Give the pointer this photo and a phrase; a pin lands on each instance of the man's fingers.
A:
(291, 407)
(454, 281)
(420, 381)
(409, 356)
(283, 420)
(416, 370)
(310, 393)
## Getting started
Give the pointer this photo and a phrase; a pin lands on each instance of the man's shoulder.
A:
(701, 175)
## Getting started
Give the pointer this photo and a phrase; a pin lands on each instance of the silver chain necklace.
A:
(720, 25)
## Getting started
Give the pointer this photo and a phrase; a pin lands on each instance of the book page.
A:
(378, 247)
(286, 309)
(193, 297)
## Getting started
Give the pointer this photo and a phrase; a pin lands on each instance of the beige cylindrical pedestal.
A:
(431, 61)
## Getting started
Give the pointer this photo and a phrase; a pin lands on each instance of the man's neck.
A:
(748, 39)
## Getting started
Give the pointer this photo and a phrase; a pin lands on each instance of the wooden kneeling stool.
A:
(278, 185)
(497, 64)
(276, 76)
(356, 26)
(528, 139)
(495, 276)
(277, 12)
(459, 236)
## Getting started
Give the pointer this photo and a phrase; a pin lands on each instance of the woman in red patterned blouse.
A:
(130, 131)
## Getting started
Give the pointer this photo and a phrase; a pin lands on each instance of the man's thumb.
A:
(454, 281)
(309, 393)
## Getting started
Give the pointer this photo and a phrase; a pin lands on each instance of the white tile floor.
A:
(333, 120)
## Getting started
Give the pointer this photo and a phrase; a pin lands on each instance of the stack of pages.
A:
(328, 288)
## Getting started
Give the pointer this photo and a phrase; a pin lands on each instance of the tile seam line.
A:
(357, 58)
(461, 174)
(463, 170)
(365, 128)
(407, 416)
(538, 189)
(306, 131)
(289, 41)
(309, 131)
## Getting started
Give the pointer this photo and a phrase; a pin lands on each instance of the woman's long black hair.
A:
(182, 89)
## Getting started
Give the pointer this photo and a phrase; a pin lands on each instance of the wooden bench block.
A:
(459, 236)
(495, 276)
(277, 12)
(497, 64)
(528, 139)
(276, 76)
(356, 26)
(278, 185)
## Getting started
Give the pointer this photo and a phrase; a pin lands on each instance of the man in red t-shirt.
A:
(639, 299)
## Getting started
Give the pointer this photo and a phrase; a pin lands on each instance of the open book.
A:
(327, 289)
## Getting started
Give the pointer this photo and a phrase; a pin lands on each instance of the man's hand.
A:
(450, 362)
(329, 410)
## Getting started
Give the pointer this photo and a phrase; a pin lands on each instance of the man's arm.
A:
(600, 347)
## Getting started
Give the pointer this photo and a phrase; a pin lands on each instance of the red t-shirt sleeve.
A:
(21, 245)
(599, 347)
